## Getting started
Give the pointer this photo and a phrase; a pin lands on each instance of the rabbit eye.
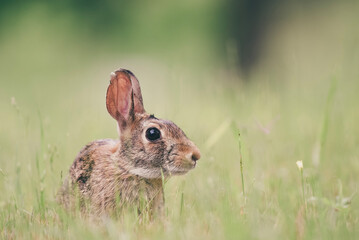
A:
(153, 134)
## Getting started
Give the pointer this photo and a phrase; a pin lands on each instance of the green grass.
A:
(52, 103)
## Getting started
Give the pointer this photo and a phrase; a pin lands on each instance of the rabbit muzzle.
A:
(183, 158)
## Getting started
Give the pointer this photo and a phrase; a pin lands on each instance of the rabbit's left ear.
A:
(124, 98)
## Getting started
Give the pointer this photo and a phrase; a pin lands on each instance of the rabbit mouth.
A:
(178, 170)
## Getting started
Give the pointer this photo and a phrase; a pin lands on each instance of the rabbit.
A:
(109, 174)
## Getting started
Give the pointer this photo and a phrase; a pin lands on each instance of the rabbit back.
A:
(83, 170)
(95, 153)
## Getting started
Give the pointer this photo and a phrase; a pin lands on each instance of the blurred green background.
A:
(282, 73)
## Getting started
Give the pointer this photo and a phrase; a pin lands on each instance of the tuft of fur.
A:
(110, 174)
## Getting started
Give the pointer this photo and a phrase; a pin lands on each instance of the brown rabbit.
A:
(109, 174)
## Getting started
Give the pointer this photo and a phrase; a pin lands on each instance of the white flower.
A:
(300, 164)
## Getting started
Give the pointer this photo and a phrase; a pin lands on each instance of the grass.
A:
(241, 162)
(247, 188)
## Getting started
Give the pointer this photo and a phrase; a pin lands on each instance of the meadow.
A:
(299, 104)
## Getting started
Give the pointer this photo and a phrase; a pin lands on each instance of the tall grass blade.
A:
(182, 202)
(241, 162)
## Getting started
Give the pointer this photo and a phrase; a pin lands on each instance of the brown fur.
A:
(110, 174)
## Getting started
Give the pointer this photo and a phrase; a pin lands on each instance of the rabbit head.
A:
(148, 146)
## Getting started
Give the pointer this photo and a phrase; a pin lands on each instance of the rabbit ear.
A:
(137, 95)
(124, 98)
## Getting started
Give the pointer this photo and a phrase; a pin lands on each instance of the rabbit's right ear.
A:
(124, 98)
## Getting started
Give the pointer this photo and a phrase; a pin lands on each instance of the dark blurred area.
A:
(249, 23)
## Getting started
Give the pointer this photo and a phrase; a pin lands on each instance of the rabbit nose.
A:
(196, 155)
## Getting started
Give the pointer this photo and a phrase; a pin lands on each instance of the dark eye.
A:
(153, 134)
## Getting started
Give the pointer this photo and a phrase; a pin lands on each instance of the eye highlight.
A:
(153, 134)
